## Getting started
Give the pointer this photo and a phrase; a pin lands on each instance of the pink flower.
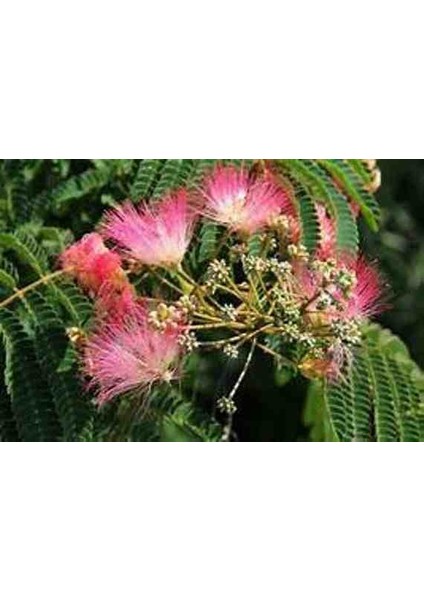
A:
(157, 235)
(233, 199)
(367, 297)
(115, 302)
(92, 264)
(363, 299)
(130, 355)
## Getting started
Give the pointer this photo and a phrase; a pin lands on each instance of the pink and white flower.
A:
(130, 355)
(93, 264)
(233, 199)
(363, 299)
(367, 296)
(156, 235)
(115, 302)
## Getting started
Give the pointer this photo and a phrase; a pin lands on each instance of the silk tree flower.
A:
(115, 302)
(233, 199)
(92, 264)
(341, 313)
(129, 355)
(367, 296)
(348, 288)
(156, 235)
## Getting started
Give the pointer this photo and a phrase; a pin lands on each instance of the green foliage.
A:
(315, 415)
(51, 344)
(348, 178)
(308, 218)
(147, 175)
(8, 276)
(317, 184)
(208, 238)
(381, 397)
(30, 397)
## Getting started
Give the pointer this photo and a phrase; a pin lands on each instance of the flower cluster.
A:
(155, 304)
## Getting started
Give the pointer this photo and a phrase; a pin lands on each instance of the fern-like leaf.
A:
(31, 401)
(51, 344)
(348, 178)
(147, 175)
(321, 188)
(381, 396)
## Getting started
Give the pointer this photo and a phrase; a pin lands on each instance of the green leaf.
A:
(308, 219)
(255, 245)
(51, 344)
(148, 173)
(347, 177)
(381, 395)
(208, 241)
(8, 429)
(316, 415)
(322, 189)
(27, 250)
(175, 174)
(174, 431)
(60, 199)
(31, 401)
(182, 422)
(6, 280)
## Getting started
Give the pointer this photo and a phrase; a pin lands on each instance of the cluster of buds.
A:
(188, 341)
(164, 316)
(230, 350)
(218, 272)
(226, 405)
(298, 251)
(301, 307)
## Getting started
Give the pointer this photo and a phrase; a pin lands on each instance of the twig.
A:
(21, 293)
(278, 356)
(227, 429)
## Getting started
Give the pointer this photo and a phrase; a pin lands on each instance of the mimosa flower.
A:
(93, 264)
(349, 288)
(156, 235)
(129, 355)
(233, 199)
(115, 302)
(367, 296)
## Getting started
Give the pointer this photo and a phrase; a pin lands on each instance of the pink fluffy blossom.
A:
(367, 297)
(156, 235)
(131, 354)
(92, 264)
(233, 199)
(115, 302)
